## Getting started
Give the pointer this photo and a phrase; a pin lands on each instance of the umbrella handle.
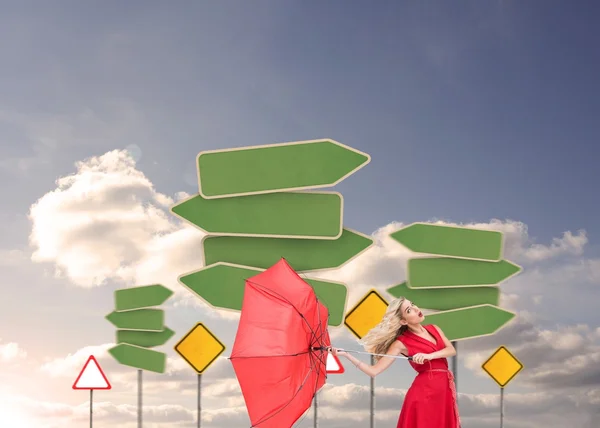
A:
(326, 348)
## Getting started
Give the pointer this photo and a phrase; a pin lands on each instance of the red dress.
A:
(430, 402)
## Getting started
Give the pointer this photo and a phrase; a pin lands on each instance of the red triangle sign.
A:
(91, 376)
(334, 364)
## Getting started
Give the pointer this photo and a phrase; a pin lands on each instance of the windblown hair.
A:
(379, 339)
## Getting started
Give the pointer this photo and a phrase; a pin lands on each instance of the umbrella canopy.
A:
(279, 354)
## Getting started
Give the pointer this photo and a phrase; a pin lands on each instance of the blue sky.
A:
(471, 111)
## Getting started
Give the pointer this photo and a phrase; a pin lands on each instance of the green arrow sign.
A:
(447, 298)
(316, 215)
(140, 358)
(222, 286)
(140, 319)
(276, 167)
(141, 297)
(469, 323)
(451, 241)
(147, 339)
(439, 272)
(301, 254)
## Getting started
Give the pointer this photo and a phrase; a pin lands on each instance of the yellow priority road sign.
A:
(366, 314)
(199, 348)
(502, 366)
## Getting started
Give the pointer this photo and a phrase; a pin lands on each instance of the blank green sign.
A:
(141, 297)
(291, 214)
(276, 167)
(139, 319)
(301, 254)
(223, 286)
(470, 322)
(147, 339)
(450, 272)
(442, 299)
(140, 358)
(451, 241)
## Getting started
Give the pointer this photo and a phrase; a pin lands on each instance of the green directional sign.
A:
(469, 323)
(314, 215)
(140, 326)
(141, 297)
(140, 319)
(276, 167)
(222, 285)
(146, 339)
(451, 241)
(439, 272)
(138, 357)
(447, 298)
(301, 254)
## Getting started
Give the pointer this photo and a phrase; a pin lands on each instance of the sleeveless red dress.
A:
(431, 400)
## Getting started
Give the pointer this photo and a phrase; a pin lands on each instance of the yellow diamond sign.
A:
(502, 366)
(366, 314)
(200, 348)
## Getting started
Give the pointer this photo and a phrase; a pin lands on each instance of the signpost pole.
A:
(91, 405)
(455, 366)
(501, 407)
(316, 424)
(199, 399)
(372, 416)
(139, 398)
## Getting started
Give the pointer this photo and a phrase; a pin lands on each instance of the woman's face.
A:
(411, 314)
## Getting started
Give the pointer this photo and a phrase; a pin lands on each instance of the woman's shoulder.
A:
(398, 345)
(400, 339)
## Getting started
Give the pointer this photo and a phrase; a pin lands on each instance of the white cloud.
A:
(96, 225)
(522, 248)
(51, 414)
(106, 222)
(73, 363)
(11, 351)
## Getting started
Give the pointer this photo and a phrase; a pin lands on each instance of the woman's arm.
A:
(448, 351)
(396, 349)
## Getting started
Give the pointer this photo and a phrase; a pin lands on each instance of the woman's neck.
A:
(417, 328)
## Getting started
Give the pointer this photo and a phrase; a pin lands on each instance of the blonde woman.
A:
(430, 402)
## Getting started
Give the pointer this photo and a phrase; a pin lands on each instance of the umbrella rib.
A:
(286, 404)
(270, 356)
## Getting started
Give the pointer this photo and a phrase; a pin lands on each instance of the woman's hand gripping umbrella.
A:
(280, 350)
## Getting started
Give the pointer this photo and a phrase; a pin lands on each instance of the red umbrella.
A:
(280, 349)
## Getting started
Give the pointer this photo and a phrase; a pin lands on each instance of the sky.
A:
(474, 113)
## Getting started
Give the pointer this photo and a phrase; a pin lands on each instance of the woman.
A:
(430, 402)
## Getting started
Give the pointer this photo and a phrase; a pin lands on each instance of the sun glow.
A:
(9, 417)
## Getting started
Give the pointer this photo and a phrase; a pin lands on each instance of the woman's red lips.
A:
(420, 313)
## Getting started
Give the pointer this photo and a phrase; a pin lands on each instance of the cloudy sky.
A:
(478, 113)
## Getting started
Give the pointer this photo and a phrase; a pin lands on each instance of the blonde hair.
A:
(379, 339)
